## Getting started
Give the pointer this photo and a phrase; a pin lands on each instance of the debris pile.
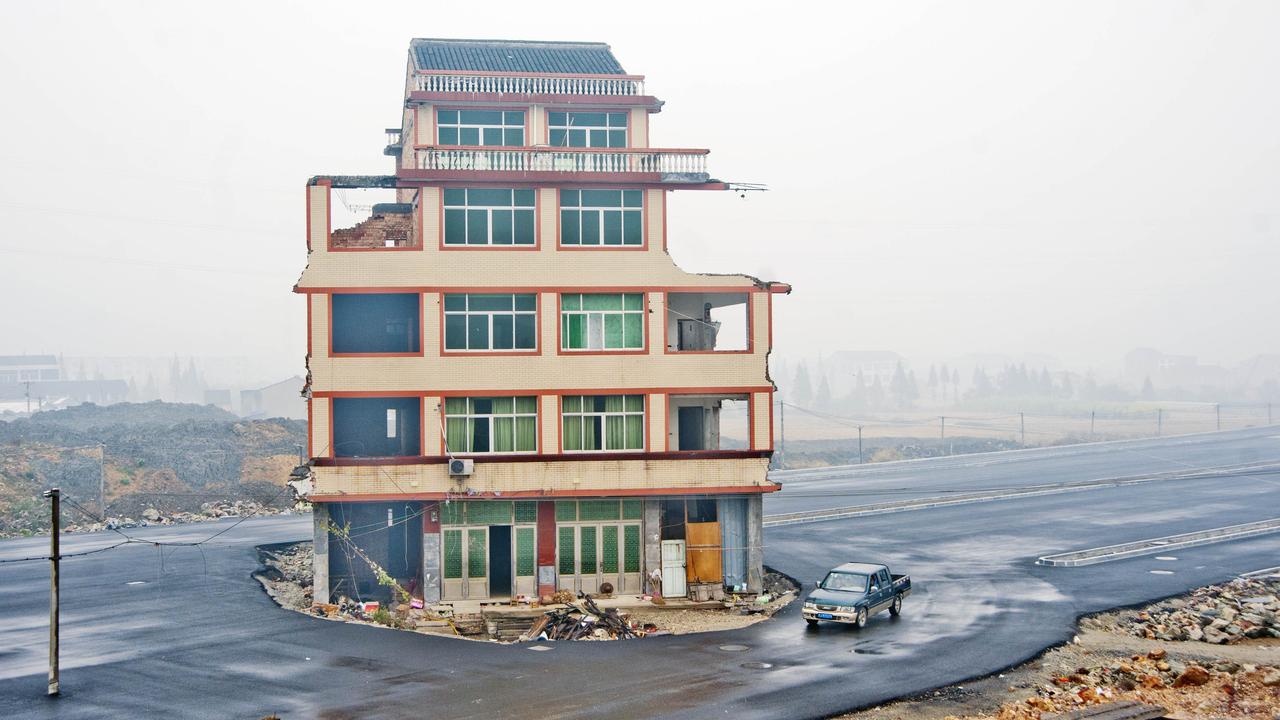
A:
(208, 511)
(1215, 688)
(586, 621)
(1219, 614)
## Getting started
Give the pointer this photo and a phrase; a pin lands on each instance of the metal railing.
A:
(393, 136)
(563, 160)
(528, 83)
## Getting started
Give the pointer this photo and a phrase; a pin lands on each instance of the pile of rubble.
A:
(586, 621)
(1219, 614)
(208, 511)
(1214, 689)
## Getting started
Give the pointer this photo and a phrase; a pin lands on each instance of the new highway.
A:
(186, 632)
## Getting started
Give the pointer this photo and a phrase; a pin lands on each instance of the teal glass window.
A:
(487, 128)
(489, 216)
(602, 321)
(588, 129)
(608, 218)
(497, 322)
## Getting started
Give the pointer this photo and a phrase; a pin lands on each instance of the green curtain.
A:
(613, 403)
(504, 434)
(526, 434)
(456, 434)
(572, 432)
(615, 433)
(590, 428)
(635, 432)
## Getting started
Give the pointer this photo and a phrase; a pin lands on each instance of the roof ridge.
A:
(495, 41)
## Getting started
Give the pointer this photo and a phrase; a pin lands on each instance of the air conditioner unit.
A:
(460, 467)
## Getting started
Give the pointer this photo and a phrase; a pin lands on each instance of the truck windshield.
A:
(848, 582)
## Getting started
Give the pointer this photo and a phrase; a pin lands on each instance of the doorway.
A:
(692, 433)
(499, 561)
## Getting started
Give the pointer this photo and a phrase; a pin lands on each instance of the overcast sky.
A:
(1073, 178)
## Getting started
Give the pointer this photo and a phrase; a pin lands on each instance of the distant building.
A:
(218, 398)
(282, 399)
(1166, 372)
(40, 379)
(843, 367)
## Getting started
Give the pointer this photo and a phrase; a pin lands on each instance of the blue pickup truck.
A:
(853, 592)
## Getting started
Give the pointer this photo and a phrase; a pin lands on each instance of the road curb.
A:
(1010, 494)
(1108, 553)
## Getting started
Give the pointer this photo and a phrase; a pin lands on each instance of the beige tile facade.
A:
(431, 270)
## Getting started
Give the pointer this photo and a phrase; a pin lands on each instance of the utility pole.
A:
(1159, 421)
(859, 444)
(942, 428)
(1268, 413)
(55, 529)
(1092, 416)
(102, 480)
(28, 385)
(1022, 425)
(1217, 414)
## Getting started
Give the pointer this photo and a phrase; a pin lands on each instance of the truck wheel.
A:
(896, 608)
(811, 622)
(861, 620)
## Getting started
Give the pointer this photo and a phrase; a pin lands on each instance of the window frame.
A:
(644, 220)
(436, 125)
(490, 246)
(643, 413)
(422, 308)
(537, 323)
(626, 128)
(469, 416)
(644, 310)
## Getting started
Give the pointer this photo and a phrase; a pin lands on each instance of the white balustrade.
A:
(445, 82)
(563, 160)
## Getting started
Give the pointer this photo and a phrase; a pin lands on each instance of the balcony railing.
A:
(393, 136)
(456, 81)
(686, 165)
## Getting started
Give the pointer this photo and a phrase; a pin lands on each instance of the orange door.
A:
(704, 553)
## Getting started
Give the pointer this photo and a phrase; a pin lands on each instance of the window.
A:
(601, 217)
(588, 129)
(485, 425)
(490, 128)
(490, 322)
(375, 323)
(376, 427)
(487, 216)
(603, 422)
(602, 321)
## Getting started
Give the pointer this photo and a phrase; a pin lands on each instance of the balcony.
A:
(577, 164)
(473, 83)
(394, 139)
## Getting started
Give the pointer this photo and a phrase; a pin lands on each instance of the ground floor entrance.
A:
(497, 550)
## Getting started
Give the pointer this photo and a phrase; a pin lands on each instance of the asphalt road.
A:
(187, 633)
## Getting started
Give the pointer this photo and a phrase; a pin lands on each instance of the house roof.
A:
(514, 56)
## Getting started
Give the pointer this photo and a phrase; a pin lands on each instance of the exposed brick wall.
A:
(376, 231)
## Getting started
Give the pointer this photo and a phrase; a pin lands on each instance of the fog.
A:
(1072, 179)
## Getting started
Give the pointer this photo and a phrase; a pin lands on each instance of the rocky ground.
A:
(208, 511)
(286, 576)
(1145, 655)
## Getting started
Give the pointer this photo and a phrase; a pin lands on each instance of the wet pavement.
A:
(185, 632)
